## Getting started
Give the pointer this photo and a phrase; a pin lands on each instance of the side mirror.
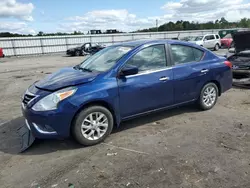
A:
(205, 39)
(129, 70)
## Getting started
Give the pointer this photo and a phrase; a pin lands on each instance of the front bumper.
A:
(46, 125)
(241, 77)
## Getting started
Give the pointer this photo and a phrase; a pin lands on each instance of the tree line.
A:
(186, 25)
(170, 26)
(40, 33)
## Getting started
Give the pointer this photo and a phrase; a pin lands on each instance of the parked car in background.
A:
(85, 49)
(210, 41)
(226, 41)
(1, 52)
(239, 55)
(189, 38)
(121, 82)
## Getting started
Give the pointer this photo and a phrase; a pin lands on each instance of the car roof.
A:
(137, 43)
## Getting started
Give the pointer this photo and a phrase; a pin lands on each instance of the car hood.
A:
(64, 78)
(241, 41)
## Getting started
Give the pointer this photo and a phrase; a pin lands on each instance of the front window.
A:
(198, 38)
(149, 59)
(104, 59)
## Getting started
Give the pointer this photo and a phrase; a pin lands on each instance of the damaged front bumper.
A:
(27, 138)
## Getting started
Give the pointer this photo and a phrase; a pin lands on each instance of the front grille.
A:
(27, 98)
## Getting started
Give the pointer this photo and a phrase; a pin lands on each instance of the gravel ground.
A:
(183, 147)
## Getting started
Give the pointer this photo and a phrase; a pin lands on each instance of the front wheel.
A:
(92, 125)
(208, 96)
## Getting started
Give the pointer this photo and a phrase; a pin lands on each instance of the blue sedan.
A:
(121, 82)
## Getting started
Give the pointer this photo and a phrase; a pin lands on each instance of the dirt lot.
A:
(182, 147)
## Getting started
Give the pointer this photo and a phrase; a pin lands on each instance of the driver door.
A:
(151, 88)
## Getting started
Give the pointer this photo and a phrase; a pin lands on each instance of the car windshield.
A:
(198, 38)
(104, 59)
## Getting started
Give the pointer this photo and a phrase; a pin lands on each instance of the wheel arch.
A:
(216, 83)
(96, 103)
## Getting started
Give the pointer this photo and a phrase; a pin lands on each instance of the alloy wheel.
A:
(94, 126)
(209, 96)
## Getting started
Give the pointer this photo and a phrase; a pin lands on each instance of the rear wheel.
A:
(208, 96)
(92, 125)
(216, 47)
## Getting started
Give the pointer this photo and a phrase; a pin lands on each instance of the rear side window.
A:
(217, 36)
(185, 54)
(198, 54)
(210, 37)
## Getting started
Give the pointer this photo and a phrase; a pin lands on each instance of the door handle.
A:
(164, 78)
(204, 70)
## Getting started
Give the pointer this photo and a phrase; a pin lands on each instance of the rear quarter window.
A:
(211, 37)
(198, 54)
(217, 36)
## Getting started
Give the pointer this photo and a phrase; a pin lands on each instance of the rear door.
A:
(212, 41)
(206, 41)
(190, 72)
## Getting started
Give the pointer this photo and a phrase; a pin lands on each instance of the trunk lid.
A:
(242, 41)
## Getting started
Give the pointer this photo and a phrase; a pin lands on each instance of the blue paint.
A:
(128, 96)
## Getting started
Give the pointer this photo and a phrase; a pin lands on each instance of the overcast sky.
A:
(32, 16)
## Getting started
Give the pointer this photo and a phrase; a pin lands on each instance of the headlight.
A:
(50, 102)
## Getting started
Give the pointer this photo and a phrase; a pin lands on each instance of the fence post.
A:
(165, 35)
(66, 42)
(113, 39)
(132, 36)
(41, 43)
(13, 46)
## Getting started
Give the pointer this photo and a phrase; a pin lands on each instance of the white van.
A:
(211, 41)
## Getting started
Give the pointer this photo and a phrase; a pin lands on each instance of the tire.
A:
(211, 101)
(82, 124)
(216, 47)
(77, 53)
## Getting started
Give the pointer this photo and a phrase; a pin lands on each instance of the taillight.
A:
(228, 63)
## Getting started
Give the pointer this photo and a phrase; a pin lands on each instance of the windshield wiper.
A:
(85, 69)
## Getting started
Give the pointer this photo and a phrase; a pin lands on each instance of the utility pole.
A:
(156, 23)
